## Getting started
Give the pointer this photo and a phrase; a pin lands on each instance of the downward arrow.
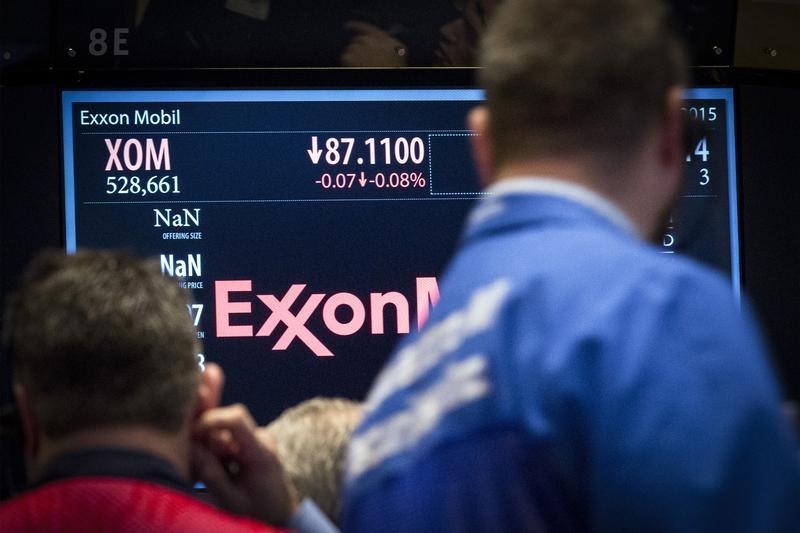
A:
(362, 180)
(315, 152)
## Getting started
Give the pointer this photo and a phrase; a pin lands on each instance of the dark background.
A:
(44, 47)
(289, 33)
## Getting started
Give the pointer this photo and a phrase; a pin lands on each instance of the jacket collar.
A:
(531, 200)
(114, 462)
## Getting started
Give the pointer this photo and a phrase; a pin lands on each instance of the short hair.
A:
(102, 339)
(312, 440)
(583, 76)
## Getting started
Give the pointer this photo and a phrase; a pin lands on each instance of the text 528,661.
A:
(142, 187)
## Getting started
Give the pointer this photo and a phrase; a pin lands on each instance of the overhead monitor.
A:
(311, 225)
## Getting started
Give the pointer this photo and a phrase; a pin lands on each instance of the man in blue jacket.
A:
(571, 378)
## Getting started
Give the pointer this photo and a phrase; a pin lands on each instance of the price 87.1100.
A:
(372, 151)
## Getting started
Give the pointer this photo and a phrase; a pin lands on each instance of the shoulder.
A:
(116, 504)
(632, 320)
(579, 264)
(642, 307)
(602, 275)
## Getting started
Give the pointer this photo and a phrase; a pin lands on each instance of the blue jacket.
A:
(573, 379)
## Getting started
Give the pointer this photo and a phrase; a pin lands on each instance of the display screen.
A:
(311, 225)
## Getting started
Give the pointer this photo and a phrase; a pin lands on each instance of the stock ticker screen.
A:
(311, 225)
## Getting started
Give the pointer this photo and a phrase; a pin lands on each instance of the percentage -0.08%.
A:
(380, 180)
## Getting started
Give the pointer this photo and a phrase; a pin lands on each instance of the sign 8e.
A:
(99, 42)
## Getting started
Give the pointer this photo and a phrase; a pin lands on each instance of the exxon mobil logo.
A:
(297, 306)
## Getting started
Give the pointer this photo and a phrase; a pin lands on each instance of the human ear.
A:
(30, 428)
(673, 130)
(209, 390)
(478, 121)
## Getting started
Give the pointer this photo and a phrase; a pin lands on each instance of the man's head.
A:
(585, 77)
(101, 340)
(311, 441)
(587, 91)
